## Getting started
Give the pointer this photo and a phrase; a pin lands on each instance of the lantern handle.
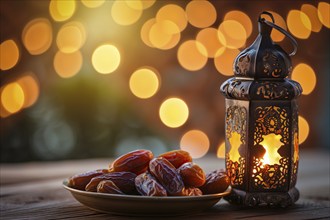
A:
(287, 34)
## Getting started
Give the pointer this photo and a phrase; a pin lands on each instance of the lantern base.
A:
(282, 199)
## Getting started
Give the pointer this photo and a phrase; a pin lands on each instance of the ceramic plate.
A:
(145, 205)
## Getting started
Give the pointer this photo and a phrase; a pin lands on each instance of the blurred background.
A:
(99, 78)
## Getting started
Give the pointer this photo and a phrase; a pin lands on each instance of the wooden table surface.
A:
(34, 191)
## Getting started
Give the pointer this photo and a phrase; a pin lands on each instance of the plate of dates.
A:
(139, 184)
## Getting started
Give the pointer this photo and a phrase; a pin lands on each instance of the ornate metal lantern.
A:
(262, 123)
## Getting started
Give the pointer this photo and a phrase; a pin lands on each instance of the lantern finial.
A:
(264, 58)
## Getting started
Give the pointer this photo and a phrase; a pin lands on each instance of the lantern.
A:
(262, 123)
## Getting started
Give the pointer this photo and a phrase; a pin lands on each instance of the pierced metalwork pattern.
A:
(245, 89)
(235, 170)
(236, 121)
(272, 66)
(271, 119)
(270, 176)
(243, 63)
(273, 90)
(236, 88)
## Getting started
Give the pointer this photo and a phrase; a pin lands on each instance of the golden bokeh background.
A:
(82, 78)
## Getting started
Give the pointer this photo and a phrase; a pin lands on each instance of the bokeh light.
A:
(134, 4)
(37, 36)
(67, 65)
(323, 9)
(161, 33)
(9, 54)
(3, 112)
(106, 59)
(147, 3)
(195, 142)
(92, 3)
(311, 12)
(303, 129)
(173, 13)
(221, 151)
(144, 83)
(224, 62)
(144, 33)
(232, 34)
(30, 86)
(191, 55)
(123, 14)
(242, 18)
(201, 14)
(174, 112)
(62, 10)
(71, 37)
(209, 38)
(276, 35)
(12, 97)
(299, 24)
(305, 75)
(175, 38)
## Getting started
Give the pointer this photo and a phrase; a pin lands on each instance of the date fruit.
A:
(191, 191)
(147, 185)
(177, 157)
(192, 174)
(135, 161)
(108, 186)
(79, 181)
(166, 175)
(216, 182)
(124, 181)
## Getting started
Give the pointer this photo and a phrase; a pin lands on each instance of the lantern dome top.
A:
(264, 58)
